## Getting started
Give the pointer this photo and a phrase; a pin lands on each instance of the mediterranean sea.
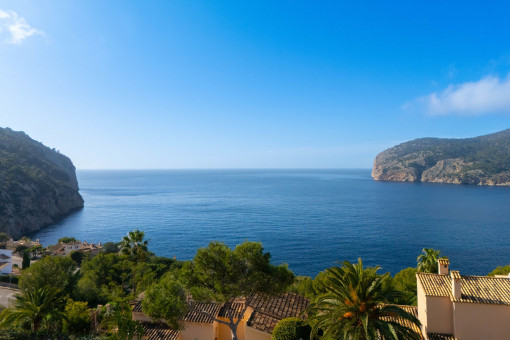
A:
(309, 219)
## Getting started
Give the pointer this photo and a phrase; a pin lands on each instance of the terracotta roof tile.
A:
(262, 322)
(285, 305)
(194, 316)
(444, 261)
(413, 310)
(474, 289)
(269, 310)
(236, 308)
(158, 331)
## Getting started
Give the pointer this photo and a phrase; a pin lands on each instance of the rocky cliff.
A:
(483, 160)
(37, 184)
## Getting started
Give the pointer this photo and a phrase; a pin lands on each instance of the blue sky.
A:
(261, 84)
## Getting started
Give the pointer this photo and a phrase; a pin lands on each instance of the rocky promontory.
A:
(483, 160)
(37, 184)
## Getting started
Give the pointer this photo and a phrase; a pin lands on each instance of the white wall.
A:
(8, 268)
(473, 321)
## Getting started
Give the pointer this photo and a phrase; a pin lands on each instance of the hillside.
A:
(483, 160)
(37, 184)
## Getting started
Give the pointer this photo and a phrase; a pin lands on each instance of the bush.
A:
(77, 257)
(66, 240)
(501, 270)
(291, 329)
(79, 321)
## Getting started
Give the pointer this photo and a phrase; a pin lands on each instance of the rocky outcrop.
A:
(37, 184)
(483, 160)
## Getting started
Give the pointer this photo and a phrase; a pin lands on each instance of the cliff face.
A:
(483, 160)
(37, 184)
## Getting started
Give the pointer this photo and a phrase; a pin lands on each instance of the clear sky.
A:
(260, 84)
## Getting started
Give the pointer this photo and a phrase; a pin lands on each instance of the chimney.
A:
(456, 292)
(443, 266)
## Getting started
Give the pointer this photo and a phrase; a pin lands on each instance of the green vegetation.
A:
(61, 298)
(31, 176)
(427, 261)
(220, 274)
(501, 270)
(40, 308)
(26, 260)
(67, 240)
(291, 329)
(475, 160)
(355, 306)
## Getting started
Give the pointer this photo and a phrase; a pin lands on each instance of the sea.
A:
(308, 219)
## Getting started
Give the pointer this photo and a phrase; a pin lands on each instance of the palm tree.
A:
(354, 306)
(134, 246)
(37, 307)
(427, 262)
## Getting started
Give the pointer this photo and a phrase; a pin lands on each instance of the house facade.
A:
(257, 322)
(464, 307)
(5, 261)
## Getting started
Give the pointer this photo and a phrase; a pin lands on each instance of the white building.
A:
(5, 261)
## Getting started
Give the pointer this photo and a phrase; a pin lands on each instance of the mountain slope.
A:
(483, 160)
(37, 184)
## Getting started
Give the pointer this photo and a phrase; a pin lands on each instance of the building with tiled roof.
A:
(464, 307)
(158, 331)
(266, 312)
(259, 315)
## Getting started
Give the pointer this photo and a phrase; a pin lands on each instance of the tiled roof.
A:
(236, 308)
(444, 261)
(138, 307)
(474, 289)
(194, 316)
(269, 310)
(285, 305)
(262, 321)
(440, 336)
(413, 310)
(158, 331)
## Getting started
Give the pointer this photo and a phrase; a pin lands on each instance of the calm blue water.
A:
(307, 218)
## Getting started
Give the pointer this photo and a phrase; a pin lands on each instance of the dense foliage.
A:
(356, 306)
(291, 329)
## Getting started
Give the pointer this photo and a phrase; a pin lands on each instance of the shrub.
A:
(291, 329)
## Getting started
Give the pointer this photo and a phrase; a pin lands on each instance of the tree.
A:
(291, 329)
(119, 318)
(219, 274)
(67, 240)
(501, 270)
(405, 282)
(427, 262)
(50, 272)
(26, 260)
(77, 257)
(78, 318)
(110, 248)
(166, 300)
(104, 277)
(4, 237)
(135, 247)
(38, 307)
(355, 306)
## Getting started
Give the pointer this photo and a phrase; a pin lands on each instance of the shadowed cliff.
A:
(37, 184)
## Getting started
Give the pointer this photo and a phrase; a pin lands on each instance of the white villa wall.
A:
(473, 321)
(8, 268)
(439, 311)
